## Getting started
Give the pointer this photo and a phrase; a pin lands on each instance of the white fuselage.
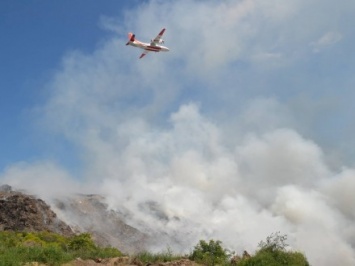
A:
(149, 46)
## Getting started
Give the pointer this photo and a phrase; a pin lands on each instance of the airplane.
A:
(153, 46)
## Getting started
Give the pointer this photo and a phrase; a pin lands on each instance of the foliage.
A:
(106, 252)
(50, 254)
(81, 242)
(147, 257)
(272, 252)
(274, 242)
(17, 248)
(211, 253)
(275, 258)
(49, 248)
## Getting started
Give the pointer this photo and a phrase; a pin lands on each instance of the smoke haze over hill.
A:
(236, 133)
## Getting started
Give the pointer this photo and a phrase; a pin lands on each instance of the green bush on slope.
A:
(49, 248)
(272, 252)
(54, 249)
(211, 253)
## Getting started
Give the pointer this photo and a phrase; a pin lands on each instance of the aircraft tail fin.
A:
(131, 38)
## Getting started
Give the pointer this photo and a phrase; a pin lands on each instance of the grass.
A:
(49, 248)
(166, 256)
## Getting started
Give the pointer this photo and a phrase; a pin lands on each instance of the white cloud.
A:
(326, 40)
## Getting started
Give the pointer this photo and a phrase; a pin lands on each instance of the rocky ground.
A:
(21, 212)
(89, 213)
(67, 216)
(121, 261)
(126, 261)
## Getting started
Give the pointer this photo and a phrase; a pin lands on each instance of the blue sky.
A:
(37, 34)
(247, 120)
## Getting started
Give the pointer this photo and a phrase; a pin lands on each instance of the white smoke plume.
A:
(203, 142)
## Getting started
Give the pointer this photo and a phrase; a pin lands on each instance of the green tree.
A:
(274, 242)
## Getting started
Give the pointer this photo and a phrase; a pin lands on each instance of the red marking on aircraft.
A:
(153, 46)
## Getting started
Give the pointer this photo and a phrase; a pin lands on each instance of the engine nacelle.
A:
(161, 41)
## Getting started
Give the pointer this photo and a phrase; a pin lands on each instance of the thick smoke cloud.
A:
(209, 140)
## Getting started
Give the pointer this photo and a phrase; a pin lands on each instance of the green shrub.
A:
(211, 253)
(81, 242)
(51, 254)
(8, 240)
(107, 252)
(49, 248)
(53, 238)
(275, 258)
(272, 252)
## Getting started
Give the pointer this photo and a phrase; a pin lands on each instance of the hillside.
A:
(82, 213)
(21, 212)
(89, 213)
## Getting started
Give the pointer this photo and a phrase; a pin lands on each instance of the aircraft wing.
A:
(157, 39)
(144, 53)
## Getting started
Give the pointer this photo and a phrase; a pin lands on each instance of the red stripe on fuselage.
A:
(153, 48)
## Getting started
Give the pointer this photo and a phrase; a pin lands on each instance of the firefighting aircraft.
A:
(153, 46)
